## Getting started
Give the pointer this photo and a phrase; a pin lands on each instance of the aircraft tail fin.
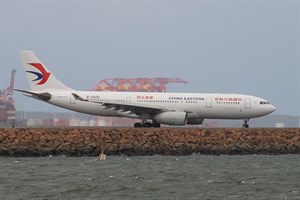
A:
(38, 75)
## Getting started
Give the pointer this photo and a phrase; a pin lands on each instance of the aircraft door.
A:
(72, 99)
(128, 99)
(247, 103)
(208, 103)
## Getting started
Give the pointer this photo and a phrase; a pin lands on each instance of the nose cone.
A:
(271, 108)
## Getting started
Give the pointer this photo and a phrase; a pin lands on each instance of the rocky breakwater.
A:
(163, 141)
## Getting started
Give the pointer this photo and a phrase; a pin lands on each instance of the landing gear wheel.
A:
(147, 124)
(245, 126)
(156, 125)
(137, 125)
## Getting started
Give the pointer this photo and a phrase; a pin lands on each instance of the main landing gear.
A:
(147, 124)
(246, 125)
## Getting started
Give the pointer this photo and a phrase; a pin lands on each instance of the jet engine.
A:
(171, 118)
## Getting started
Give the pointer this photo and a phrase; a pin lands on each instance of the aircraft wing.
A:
(133, 108)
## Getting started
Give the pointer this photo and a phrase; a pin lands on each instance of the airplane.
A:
(152, 109)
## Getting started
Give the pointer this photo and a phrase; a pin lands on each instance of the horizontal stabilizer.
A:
(45, 96)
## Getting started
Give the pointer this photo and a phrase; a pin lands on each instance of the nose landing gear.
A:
(246, 125)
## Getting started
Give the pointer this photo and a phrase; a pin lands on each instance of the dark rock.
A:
(164, 141)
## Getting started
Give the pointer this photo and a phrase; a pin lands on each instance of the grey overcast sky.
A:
(239, 46)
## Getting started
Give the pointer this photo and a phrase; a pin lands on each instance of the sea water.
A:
(151, 177)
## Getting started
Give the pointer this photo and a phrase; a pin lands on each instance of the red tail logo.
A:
(43, 75)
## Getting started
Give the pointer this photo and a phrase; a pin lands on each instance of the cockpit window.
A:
(264, 102)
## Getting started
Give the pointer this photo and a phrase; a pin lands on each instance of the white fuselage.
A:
(197, 105)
